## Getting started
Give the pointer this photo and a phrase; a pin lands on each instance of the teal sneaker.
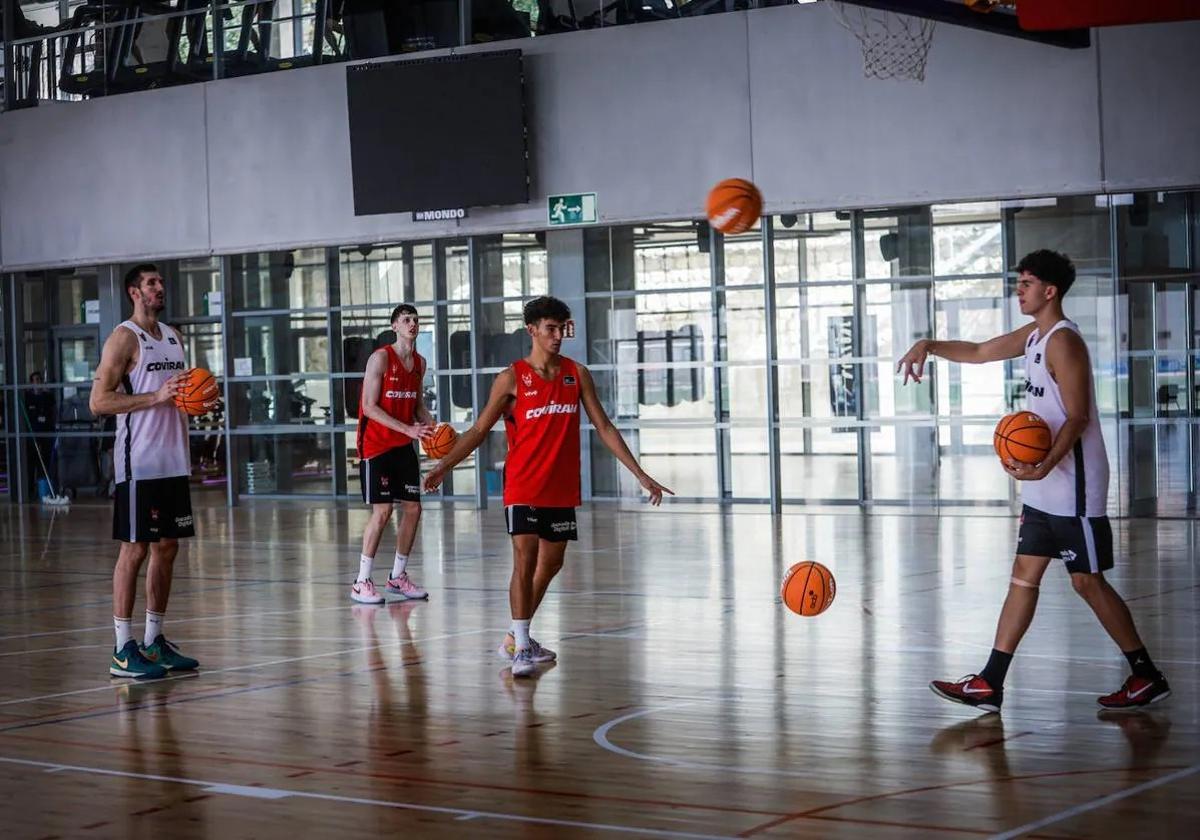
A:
(167, 655)
(129, 662)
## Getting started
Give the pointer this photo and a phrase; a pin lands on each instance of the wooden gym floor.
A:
(686, 703)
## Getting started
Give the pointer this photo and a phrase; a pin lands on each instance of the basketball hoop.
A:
(893, 46)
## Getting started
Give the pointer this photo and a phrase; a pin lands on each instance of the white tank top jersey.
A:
(152, 443)
(1078, 484)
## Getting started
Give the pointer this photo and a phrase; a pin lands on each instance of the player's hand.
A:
(655, 489)
(167, 391)
(912, 363)
(420, 431)
(1025, 472)
(432, 480)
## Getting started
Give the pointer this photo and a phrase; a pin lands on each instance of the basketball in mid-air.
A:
(198, 393)
(734, 205)
(808, 589)
(439, 444)
(1022, 436)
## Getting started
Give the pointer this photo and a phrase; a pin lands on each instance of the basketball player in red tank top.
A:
(391, 416)
(539, 398)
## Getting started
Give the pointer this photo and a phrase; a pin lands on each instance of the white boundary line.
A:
(284, 793)
(1096, 803)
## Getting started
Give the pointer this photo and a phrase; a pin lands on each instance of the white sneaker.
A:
(364, 592)
(522, 664)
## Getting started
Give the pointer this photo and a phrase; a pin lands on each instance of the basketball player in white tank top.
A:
(139, 373)
(1065, 496)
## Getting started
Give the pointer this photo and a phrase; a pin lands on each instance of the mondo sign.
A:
(439, 215)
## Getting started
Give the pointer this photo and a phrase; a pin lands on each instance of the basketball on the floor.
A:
(808, 588)
(198, 392)
(439, 444)
(1022, 436)
(734, 205)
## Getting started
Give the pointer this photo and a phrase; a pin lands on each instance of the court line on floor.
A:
(175, 621)
(185, 641)
(265, 793)
(341, 652)
(408, 778)
(1085, 807)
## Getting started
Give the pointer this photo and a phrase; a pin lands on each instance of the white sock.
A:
(520, 631)
(154, 623)
(400, 564)
(124, 628)
(364, 567)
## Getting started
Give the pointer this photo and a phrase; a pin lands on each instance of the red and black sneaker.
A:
(971, 690)
(1137, 692)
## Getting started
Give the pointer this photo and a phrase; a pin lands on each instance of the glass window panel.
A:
(904, 463)
(967, 239)
(1074, 225)
(284, 464)
(683, 459)
(818, 463)
(670, 256)
(743, 325)
(207, 447)
(744, 394)
(301, 402)
(749, 464)
(458, 270)
(281, 344)
(202, 346)
(968, 468)
(279, 280)
(744, 259)
(194, 290)
(78, 465)
(812, 247)
(512, 265)
(898, 244)
(386, 274)
(814, 323)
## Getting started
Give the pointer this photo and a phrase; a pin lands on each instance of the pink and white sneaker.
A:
(364, 592)
(403, 586)
(508, 650)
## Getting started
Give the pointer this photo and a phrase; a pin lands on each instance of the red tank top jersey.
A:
(398, 394)
(542, 468)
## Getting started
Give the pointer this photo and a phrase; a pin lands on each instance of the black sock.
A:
(996, 668)
(1141, 664)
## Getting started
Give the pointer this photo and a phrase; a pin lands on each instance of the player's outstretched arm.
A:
(118, 352)
(1007, 346)
(611, 437)
(503, 391)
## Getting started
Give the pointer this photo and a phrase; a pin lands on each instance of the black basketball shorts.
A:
(149, 510)
(550, 524)
(1084, 543)
(393, 476)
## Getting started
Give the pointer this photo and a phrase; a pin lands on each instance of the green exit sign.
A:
(575, 209)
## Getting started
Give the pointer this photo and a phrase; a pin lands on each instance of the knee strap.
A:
(1016, 581)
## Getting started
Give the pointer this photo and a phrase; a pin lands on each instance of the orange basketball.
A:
(198, 393)
(1022, 436)
(808, 589)
(734, 205)
(441, 442)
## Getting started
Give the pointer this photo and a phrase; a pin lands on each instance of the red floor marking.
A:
(224, 757)
(298, 775)
(447, 743)
(1162, 592)
(812, 812)
(197, 798)
(145, 811)
(93, 825)
(582, 715)
(348, 763)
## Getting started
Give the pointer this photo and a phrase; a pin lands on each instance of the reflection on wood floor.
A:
(686, 702)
